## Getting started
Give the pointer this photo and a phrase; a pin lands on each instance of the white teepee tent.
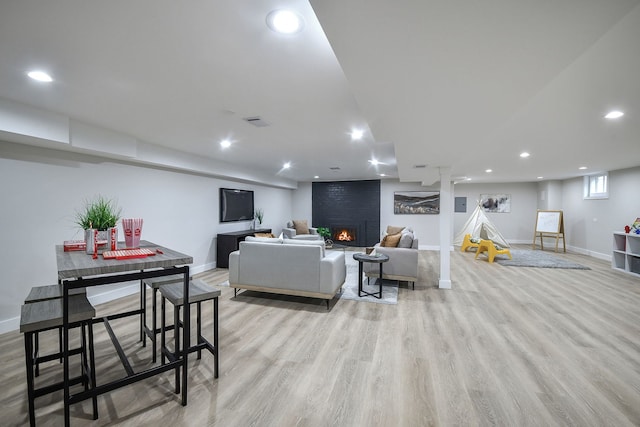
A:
(479, 226)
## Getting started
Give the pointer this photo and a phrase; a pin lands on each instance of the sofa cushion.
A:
(391, 240)
(393, 229)
(306, 243)
(301, 226)
(263, 239)
(406, 239)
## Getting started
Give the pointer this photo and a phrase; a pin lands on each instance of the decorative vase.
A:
(105, 240)
(91, 240)
(112, 238)
(132, 228)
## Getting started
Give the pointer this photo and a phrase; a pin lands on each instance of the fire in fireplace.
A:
(344, 234)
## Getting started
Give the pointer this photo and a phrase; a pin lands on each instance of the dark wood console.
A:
(229, 242)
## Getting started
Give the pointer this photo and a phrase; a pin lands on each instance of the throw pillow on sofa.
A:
(394, 230)
(391, 240)
(301, 226)
(406, 239)
(264, 235)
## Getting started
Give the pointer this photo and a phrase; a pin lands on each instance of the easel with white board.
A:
(549, 224)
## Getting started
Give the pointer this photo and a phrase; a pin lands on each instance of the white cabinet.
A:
(626, 253)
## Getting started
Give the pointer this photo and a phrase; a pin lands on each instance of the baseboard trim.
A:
(444, 284)
(582, 251)
(9, 325)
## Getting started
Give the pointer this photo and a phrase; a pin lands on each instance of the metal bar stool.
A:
(199, 291)
(45, 315)
(43, 293)
(155, 283)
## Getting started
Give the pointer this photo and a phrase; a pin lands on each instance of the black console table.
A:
(229, 242)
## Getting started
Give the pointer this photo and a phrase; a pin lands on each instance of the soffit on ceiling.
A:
(471, 85)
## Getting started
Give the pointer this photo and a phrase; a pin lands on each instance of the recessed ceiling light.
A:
(40, 76)
(316, 177)
(357, 134)
(382, 174)
(489, 170)
(225, 143)
(614, 115)
(582, 168)
(285, 21)
(374, 162)
(468, 179)
(540, 177)
(524, 155)
(286, 165)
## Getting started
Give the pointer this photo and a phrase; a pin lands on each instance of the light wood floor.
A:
(507, 346)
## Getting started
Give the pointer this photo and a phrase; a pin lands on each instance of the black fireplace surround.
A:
(348, 206)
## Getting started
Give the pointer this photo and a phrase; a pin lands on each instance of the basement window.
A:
(596, 186)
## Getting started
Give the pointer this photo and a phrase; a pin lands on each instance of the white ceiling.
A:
(468, 85)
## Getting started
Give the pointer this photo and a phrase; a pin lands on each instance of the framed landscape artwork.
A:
(416, 202)
(496, 202)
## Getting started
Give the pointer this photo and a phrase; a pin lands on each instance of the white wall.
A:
(550, 195)
(425, 227)
(518, 225)
(302, 203)
(589, 224)
(41, 190)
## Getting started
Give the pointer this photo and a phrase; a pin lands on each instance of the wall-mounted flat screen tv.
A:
(236, 205)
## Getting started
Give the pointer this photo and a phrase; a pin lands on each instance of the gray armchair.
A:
(289, 232)
(402, 264)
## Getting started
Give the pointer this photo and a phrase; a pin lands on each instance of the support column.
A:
(446, 217)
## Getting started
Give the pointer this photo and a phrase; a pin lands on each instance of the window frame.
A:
(591, 184)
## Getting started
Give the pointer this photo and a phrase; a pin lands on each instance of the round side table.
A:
(373, 258)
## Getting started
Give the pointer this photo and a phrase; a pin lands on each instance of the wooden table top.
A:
(75, 264)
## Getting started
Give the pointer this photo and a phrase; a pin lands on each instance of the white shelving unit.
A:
(626, 253)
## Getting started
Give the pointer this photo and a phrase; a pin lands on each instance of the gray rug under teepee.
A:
(536, 258)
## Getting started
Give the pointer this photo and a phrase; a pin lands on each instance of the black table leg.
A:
(143, 312)
(380, 292)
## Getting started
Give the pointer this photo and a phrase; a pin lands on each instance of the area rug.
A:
(533, 258)
(350, 287)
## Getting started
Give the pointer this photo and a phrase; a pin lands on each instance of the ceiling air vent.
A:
(335, 168)
(419, 166)
(256, 121)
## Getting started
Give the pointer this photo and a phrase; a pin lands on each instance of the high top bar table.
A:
(76, 269)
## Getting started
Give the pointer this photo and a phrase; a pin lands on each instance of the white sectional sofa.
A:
(286, 266)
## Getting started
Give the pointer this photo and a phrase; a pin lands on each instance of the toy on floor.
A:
(491, 249)
(469, 242)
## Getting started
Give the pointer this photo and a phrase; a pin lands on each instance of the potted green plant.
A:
(100, 214)
(259, 214)
(326, 234)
